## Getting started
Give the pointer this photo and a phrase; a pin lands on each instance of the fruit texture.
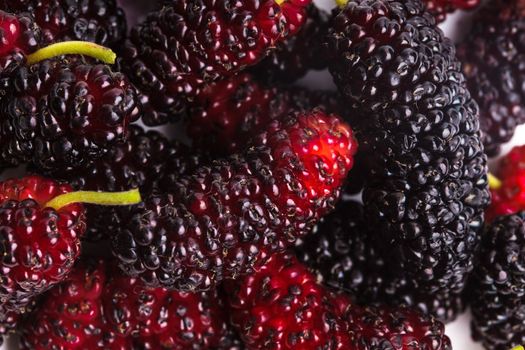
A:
(228, 113)
(343, 251)
(187, 43)
(62, 113)
(281, 306)
(39, 245)
(510, 197)
(440, 8)
(394, 328)
(492, 57)
(297, 55)
(170, 319)
(99, 21)
(146, 160)
(426, 184)
(19, 36)
(70, 316)
(227, 217)
(498, 285)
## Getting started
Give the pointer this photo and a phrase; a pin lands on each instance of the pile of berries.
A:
(236, 232)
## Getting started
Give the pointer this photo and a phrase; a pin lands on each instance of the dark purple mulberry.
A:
(62, 113)
(493, 57)
(187, 43)
(497, 294)
(99, 21)
(227, 217)
(426, 183)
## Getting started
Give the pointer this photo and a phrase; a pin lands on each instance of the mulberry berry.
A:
(62, 113)
(492, 57)
(281, 306)
(147, 160)
(426, 186)
(99, 21)
(173, 320)
(297, 55)
(228, 113)
(498, 285)
(345, 254)
(227, 217)
(187, 43)
(39, 245)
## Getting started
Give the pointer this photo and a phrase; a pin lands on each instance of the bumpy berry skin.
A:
(394, 328)
(19, 36)
(226, 114)
(39, 245)
(226, 217)
(187, 43)
(62, 113)
(509, 198)
(99, 21)
(426, 188)
(175, 320)
(147, 160)
(281, 306)
(492, 57)
(440, 8)
(498, 285)
(69, 317)
(342, 249)
(296, 56)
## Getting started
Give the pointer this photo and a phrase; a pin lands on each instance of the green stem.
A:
(342, 3)
(494, 183)
(91, 197)
(73, 48)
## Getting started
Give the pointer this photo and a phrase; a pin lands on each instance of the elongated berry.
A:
(187, 43)
(426, 183)
(227, 217)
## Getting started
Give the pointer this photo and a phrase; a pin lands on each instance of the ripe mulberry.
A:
(426, 186)
(98, 21)
(173, 320)
(345, 254)
(187, 43)
(492, 57)
(297, 55)
(147, 160)
(498, 285)
(62, 113)
(39, 245)
(228, 113)
(227, 217)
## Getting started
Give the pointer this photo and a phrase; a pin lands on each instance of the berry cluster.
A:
(236, 232)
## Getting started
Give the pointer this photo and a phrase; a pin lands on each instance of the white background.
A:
(455, 26)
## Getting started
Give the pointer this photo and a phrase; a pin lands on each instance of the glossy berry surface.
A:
(168, 319)
(394, 328)
(426, 183)
(498, 285)
(39, 245)
(492, 56)
(18, 37)
(300, 53)
(225, 218)
(281, 306)
(344, 252)
(62, 113)
(187, 43)
(99, 21)
(146, 160)
(227, 114)
(440, 8)
(510, 197)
